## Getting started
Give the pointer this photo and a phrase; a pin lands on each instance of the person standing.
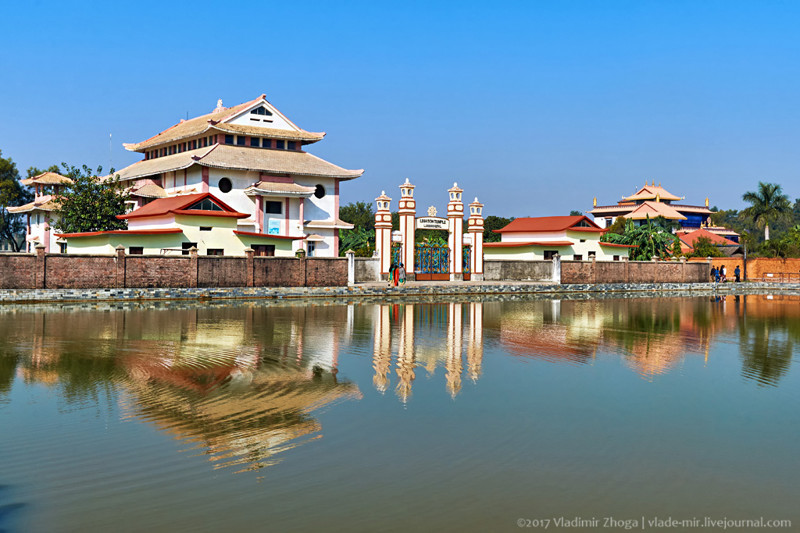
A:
(393, 274)
(723, 273)
(713, 274)
(401, 273)
(736, 274)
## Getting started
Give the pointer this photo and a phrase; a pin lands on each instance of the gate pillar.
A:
(475, 227)
(408, 212)
(383, 233)
(455, 240)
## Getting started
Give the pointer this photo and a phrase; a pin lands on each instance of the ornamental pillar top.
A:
(407, 190)
(383, 201)
(476, 208)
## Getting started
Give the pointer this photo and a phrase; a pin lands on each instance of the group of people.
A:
(721, 274)
(397, 274)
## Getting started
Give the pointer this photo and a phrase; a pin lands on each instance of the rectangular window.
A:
(62, 247)
(578, 257)
(292, 145)
(583, 240)
(240, 140)
(215, 251)
(311, 248)
(592, 255)
(273, 208)
(254, 142)
(264, 250)
(205, 228)
(616, 258)
(267, 143)
(229, 139)
(194, 144)
(280, 145)
(548, 254)
(186, 246)
(136, 250)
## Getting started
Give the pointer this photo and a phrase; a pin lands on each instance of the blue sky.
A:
(534, 107)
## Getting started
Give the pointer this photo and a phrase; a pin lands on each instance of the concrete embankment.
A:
(381, 290)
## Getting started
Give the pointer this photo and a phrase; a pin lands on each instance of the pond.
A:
(450, 415)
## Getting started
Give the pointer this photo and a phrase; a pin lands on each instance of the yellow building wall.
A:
(536, 253)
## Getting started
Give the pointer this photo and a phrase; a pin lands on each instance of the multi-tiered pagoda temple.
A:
(251, 157)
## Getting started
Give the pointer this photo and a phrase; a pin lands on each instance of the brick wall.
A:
(514, 270)
(221, 271)
(57, 271)
(80, 272)
(634, 272)
(158, 271)
(17, 271)
(759, 268)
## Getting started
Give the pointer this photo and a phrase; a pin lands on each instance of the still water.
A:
(446, 416)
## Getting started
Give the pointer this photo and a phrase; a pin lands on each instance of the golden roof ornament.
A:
(594, 202)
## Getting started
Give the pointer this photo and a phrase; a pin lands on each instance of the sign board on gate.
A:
(431, 223)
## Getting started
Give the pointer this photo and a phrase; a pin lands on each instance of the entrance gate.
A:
(456, 261)
(432, 262)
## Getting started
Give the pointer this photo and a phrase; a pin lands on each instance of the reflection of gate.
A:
(431, 263)
(467, 261)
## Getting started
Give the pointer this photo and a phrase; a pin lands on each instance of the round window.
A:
(225, 185)
(320, 191)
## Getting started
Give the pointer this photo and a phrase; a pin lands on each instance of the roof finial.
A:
(407, 181)
(219, 105)
(455, 184)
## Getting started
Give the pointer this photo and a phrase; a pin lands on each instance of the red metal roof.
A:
(531, 243)
(178, 205)
(548, 224)
(158, 231)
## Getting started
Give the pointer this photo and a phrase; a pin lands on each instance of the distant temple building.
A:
(654, 201)
(39, 216)
(250, 159)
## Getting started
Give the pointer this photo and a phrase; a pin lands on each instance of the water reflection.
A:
(241, 384)
(426, 336)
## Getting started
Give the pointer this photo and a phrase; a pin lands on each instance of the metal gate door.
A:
(432, 263)
(465, 266)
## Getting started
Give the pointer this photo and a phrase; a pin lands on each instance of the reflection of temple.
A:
(242, 383)
(428, 336)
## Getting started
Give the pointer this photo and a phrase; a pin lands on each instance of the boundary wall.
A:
(74, 271)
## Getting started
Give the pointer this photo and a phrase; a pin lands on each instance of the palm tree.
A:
(767, 204)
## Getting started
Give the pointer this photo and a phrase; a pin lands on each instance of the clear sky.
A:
(535, 107)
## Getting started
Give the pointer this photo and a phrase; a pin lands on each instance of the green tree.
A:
(650, 239)
(768, 204)
(360, 239)
(492, 223)
(12, 193)
(703, 247)
(90, 203)
(618, 226)
(575, 213)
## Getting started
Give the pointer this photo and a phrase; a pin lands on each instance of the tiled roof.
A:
(42, 203)
(241, 158)
(148, 189)
(271, 133)
(275, 162)
(650, 192)
(179, 204)
(47, 178)
(334, 224)
(193, 127)
(169, 163)
(690, 237)
(653, 210)
(280, 189)
(546, 224)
